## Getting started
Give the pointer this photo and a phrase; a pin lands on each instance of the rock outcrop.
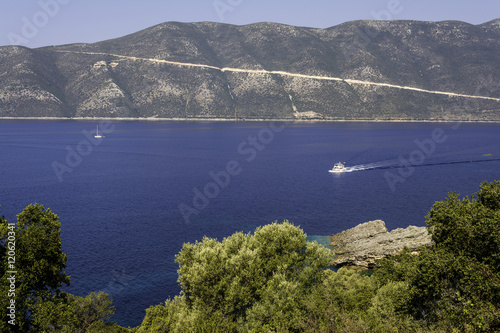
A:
(364, 244)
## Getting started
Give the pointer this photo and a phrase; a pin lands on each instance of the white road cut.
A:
(312, 77)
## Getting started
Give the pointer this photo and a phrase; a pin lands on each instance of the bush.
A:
(246, 282)
(455, 283)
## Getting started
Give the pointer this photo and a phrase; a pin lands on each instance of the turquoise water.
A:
(323, 240)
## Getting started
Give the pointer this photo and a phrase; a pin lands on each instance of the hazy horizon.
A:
(56, 22)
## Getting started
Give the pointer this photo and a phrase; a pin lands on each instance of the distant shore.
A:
(256, 119)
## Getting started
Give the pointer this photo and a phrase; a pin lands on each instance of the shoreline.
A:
(257, 120)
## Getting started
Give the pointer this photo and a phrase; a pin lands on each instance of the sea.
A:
(129, 201)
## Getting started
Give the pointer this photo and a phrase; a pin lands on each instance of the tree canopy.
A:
(274, 280)
(246, 280)
(31, 248)
(39, 262)
(456, 282)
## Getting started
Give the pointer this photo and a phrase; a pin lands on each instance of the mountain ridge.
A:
(449, 57)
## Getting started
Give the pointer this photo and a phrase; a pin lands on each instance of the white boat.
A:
(97, 135)
(338, 168)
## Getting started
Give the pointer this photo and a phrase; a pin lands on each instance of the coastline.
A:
(257, 120)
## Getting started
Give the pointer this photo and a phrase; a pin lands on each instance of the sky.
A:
(36, 23)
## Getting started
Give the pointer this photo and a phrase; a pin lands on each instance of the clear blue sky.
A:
(37, 23)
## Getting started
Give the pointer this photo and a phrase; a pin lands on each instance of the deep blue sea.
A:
(118, 198)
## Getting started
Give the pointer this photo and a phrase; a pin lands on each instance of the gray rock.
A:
(368, 242)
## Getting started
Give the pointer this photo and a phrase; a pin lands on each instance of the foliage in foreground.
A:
(250, 282)
(456, 283)
(276, 281)
(40, 305)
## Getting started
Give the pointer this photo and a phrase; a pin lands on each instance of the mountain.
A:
(397, 70)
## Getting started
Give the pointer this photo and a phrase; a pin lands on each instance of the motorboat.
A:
(338, 168)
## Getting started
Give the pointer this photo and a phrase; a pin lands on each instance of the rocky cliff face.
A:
(357, 70)
(366, 243)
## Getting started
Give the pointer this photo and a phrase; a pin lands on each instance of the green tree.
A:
(39, 266)
(471, 226)
(174, 316)
(69, 313)
(456, 282)
(252, 281)
(39, 262)
(338, 303)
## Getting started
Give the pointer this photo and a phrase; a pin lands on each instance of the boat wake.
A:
(393, 164)
(374, 165)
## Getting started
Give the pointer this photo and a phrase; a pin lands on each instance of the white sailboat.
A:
(97, 135)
